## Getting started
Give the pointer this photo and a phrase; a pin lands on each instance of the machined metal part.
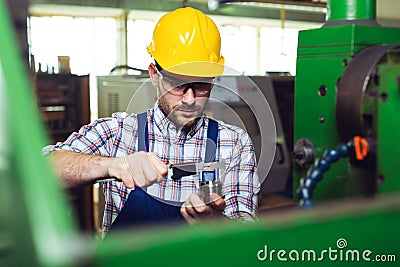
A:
(304, 153)
(207, 188)
(206, 176)
(357, 91)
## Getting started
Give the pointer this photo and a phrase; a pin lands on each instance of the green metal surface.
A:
(364, 225)
(37, 230)
(389, 128)
(350, 9)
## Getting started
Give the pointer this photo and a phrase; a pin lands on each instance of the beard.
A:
(175, 114)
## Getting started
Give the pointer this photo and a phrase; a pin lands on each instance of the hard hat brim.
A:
(197, 69)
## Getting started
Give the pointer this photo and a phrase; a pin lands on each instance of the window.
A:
(278, 50)
(91, 44)
(240, 47)
(139, 37)
(250, 47)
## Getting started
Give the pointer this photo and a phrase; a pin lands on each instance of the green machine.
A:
(38, 230)
(347, 85)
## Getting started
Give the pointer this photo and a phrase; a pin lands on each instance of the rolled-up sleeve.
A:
(241, 186)
(95, 138)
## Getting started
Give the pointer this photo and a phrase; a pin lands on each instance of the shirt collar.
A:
(162, 122)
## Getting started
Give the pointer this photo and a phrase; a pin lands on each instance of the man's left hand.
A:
(194, 209)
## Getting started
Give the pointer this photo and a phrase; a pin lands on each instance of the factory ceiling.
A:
(296, 10)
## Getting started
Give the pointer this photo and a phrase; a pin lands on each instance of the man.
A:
(186, 50)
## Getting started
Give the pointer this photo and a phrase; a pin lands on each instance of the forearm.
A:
(76, 169)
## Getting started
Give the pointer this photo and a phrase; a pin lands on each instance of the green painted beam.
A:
(38, 228)
(351, 9)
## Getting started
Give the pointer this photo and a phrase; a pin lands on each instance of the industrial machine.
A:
(114, 93)
(347, 84)
(355, 93)
(243, 101)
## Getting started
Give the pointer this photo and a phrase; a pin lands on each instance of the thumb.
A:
(159, 166)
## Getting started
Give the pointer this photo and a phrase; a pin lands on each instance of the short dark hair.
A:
(158, 66)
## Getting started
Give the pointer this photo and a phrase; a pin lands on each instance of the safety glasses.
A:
(179, 88)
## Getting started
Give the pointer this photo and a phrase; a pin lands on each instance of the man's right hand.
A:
(138, 169)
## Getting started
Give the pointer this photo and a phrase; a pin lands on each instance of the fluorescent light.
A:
(215, 4)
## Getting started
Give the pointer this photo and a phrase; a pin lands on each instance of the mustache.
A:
(192, 107)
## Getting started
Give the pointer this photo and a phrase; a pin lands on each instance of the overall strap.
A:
(212, 139)
(143, 132)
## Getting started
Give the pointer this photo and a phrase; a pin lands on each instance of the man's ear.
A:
(153, 74)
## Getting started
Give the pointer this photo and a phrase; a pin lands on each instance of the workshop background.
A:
(330, 71)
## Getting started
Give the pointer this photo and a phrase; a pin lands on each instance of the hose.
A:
(359, 145)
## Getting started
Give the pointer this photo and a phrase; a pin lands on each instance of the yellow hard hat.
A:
(187, 42)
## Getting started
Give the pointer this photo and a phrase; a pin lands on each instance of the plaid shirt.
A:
(117, 137)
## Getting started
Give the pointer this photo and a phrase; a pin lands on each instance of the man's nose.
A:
(188, 96)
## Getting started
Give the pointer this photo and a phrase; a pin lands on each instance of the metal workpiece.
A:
(209, 176)
(208, 188)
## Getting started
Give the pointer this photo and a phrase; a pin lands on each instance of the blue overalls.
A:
(144, 209)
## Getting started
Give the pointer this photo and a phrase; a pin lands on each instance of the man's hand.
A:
(194, 208)
(138, 169)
